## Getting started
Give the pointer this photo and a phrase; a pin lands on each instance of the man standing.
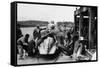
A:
(37, 37)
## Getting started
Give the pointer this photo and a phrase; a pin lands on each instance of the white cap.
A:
(81, 38)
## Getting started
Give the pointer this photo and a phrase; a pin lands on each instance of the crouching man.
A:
(77, 48)
(22, 45)
(80, 51)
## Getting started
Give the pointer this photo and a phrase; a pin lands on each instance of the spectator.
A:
(18, 32)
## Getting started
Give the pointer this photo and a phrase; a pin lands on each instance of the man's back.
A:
(36, 33)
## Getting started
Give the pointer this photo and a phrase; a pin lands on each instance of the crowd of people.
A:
(65, 41)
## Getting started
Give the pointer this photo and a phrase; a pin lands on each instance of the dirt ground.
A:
(35, 60)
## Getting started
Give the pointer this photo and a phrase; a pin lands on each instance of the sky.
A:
(45, 12)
